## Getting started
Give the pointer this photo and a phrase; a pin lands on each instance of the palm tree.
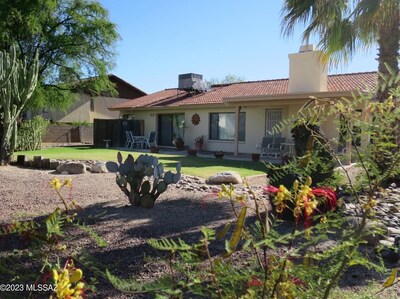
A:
(345, 26)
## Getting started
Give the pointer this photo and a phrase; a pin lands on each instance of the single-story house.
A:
(89, 107)
(235, 117)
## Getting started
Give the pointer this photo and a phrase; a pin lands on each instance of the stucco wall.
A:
(80, 111)
(255, 124)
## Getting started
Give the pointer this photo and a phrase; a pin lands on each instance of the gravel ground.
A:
(26, 194)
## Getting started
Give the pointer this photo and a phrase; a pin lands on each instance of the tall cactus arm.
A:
(25, 80)
(8, 64)
(17, 84)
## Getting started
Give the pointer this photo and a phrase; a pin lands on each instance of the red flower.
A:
(254, 282)
(271, 189)
(329, 195)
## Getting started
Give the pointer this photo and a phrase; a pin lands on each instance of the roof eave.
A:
(293, 96)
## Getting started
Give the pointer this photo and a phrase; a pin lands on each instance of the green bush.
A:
(31, 133)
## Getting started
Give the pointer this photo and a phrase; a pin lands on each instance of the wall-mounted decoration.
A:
(195, 119)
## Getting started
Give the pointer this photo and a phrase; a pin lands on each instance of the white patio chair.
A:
(152, 140)
(272, 147)
(137, 142)
(128, 139)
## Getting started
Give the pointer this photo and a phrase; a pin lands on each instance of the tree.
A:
(344, 27)
(75, 41)
(227, 80)
(17, 82)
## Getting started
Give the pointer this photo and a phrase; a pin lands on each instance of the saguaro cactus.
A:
(142, 180)
(17, 83)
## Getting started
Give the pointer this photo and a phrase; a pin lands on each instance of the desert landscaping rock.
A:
(72, 168)
(54, 164)
(99, 167)
(387, 212)
(227, 177)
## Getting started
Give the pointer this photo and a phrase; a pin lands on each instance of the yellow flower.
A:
(67, 280)
(281, 196)
(76, 276)
(55, 184)
(68, 183)
(226, 191)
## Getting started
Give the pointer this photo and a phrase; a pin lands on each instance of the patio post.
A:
(365, 138)
(236, 143)
(349, 146)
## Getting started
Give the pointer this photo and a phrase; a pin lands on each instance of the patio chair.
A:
(143, 142)
(152, 140)
(128, 139)
(271, 147)
(137, 142)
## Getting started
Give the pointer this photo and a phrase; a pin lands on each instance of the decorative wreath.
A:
(195, 119)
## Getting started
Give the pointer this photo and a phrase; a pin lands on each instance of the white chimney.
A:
(306, 72)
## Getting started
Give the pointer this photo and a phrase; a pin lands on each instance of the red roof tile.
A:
(175, 97)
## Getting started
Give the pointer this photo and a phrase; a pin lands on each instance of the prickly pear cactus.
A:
(142, 180)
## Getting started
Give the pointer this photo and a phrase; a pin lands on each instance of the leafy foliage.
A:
(75, 40)
(31, 133)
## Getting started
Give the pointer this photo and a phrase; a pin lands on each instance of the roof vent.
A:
(193, 82)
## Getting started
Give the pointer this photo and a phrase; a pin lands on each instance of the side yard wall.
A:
(69, 133)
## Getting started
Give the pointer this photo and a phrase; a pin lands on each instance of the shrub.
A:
(31, 133)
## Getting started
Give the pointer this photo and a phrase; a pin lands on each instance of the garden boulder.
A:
(226, 177)
(99, 167)
(72, 168)
(374, 230)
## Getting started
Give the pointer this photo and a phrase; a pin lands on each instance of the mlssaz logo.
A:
(40, 287)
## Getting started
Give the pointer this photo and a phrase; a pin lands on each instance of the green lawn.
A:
(202, 167)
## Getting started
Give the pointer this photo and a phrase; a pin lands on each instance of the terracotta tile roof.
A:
(353, 81)
(160, 98)
(175, 97)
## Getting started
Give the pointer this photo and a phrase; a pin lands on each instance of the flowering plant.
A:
(57, 186)
(304, 202)
(68, 281)
(199, 139)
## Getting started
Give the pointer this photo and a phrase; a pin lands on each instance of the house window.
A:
(222, 126)
(272, 118)
(91, 105)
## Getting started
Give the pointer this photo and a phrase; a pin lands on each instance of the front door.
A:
(168, 129)
(165, 129)
(272, 118)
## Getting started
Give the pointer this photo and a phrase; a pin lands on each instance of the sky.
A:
(161, 39)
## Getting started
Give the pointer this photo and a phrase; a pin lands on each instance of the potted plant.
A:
(191, 152)
(255, 156)
(198, 142)
(181, 125)
(154, 149)
(219, 155)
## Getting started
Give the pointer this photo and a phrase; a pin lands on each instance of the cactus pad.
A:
(145, 177)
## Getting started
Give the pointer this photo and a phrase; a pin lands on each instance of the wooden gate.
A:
(114, 130)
